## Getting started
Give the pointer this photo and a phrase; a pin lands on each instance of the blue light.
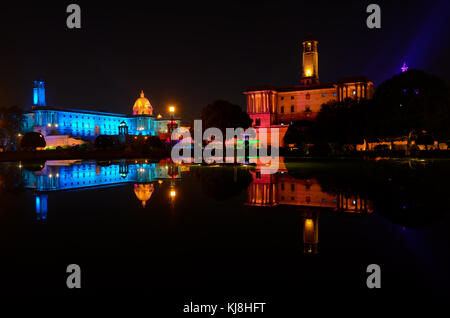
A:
(35, 96)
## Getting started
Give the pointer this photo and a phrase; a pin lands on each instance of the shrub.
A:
(104, 142)
(32, 140)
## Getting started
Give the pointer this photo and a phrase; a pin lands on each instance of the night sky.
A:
(192, 54)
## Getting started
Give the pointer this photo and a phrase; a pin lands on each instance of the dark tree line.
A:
(11, 119)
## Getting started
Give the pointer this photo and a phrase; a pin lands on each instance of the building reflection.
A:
(307, 197)
(41, 206)
(75, 175)
(143, 192)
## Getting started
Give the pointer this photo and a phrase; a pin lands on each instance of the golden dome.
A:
(142, 106)
(143, 192)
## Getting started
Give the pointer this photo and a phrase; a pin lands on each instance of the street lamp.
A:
(171, 111)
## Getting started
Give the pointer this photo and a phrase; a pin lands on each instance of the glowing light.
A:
(308, 72)
(173, 193)
(49, 125)
(171, 109)
(404, 67)
(159, 116)
(35, 96)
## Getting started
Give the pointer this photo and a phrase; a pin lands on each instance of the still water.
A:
(314, 224)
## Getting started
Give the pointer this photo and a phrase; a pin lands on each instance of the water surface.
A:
(313, 225)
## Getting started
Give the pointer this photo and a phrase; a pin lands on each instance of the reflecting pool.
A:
(222, 229)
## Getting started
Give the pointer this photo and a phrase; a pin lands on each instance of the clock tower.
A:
(310, 74)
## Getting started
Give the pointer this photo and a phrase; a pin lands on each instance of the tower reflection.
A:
(305, 196)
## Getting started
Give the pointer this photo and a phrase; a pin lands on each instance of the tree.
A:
(412, 100)
(300, 134)
(340, 123)
(11, 119)
(222, 114)
(32, 140)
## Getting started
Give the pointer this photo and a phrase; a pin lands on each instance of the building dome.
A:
(143, 192)
(142, 106)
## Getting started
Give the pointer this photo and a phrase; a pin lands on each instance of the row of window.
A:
(98, 118)
(308, 96)
(307, 109)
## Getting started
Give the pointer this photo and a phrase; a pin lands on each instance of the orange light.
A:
(308, 72)
(173, 193)
(171, 109)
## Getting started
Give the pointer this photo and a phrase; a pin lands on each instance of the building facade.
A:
(278, 107)
(62, 124)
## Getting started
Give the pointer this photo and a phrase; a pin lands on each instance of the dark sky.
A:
(193, 53)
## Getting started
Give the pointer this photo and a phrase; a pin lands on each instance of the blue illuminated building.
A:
(86, 125)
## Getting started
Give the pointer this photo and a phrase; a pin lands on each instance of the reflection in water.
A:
(310, 232)
(41, 206)
(269, 221)
(143, 192)
(70, 175)
(309, 188)
(306, 196)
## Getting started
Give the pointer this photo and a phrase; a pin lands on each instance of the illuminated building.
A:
(64, 126)
(270, 106)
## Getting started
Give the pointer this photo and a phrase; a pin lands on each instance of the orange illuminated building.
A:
(278, 107)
